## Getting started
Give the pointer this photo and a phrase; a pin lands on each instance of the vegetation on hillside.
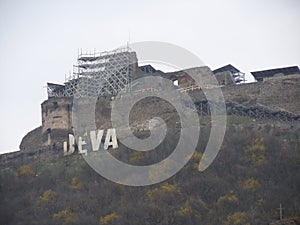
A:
(255, 172)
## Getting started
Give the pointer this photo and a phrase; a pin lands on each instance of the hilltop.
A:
(256, 170)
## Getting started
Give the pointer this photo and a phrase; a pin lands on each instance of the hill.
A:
(256, 170)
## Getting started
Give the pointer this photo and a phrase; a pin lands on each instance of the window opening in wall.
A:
(175, 82)
(55, 105)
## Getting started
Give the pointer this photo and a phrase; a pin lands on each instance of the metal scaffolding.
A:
(239, 77)
(105, 73)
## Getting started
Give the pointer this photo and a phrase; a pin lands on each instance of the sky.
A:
(39, 42)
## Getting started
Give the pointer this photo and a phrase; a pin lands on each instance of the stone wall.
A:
(16, 159)
(225, 78)
(277, 93)
(33, 140)
(56, 113)
(281, 93)
(56, 124)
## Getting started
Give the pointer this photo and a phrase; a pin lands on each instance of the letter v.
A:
(96, 141)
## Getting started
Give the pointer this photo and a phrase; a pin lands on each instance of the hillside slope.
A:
(256, 170)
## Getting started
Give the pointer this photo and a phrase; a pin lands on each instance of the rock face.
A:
(33, 140)
(277, 93)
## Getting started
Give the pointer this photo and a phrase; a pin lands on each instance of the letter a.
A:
(111, 135)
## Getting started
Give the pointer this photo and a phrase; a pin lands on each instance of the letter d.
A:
(71, 145)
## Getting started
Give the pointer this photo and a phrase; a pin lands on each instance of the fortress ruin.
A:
(275, 95)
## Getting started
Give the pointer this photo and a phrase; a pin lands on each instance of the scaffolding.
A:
(105, 73)
(239, 77)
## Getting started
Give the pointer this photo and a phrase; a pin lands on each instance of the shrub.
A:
(108, 218)
(230, 198)
(251, 184)
(46, 196)
(25, 170)
(256, 151)
(66, 215)
(76, 184)
(238, 218)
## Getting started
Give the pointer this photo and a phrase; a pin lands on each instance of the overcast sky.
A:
(39, 41)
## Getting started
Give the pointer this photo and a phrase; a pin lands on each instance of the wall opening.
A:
(55, 105)
(175, 83)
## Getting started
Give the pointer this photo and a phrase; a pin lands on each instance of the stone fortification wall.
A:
(277, 93)
(56, 113)
(281, 93)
